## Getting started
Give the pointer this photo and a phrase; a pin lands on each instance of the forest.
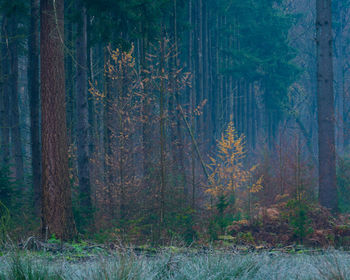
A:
(174, 139)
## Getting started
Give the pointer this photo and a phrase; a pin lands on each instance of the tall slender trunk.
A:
(91, 100)
(192, 96)
(199, 60)
(339, 79)
(162, 135)
(5, 97)
(33, 91)
(82, 129)
(123, 150)
(215, 80)
(147, 126)
(108, 139)
(178, 139)
(16, 138)
(70, 87)
(325, 104)
(205, 71)
(56, 193)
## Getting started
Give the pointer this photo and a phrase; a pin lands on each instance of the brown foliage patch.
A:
(270, 226)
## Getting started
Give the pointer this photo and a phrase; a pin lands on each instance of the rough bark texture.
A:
(56, 193)
(83, 122)
(325, 100)
(33, 90)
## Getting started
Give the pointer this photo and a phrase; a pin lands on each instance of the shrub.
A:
(297, 214)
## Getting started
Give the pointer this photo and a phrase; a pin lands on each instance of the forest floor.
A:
(96, 262)
(248, 250)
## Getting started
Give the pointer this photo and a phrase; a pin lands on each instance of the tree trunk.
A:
(70, 82)
(56, 193)
(83, 122)
(325, 103)
(16, 138)
(205, 72)
(33, 90)
(109, 120)
(177, 141)
(192, 97)
(5, 97)
(199, 65)
(162, 135)
(147, 125)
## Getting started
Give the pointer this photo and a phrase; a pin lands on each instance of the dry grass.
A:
(333, 265)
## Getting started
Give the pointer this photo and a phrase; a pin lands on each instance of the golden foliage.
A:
(227, 171)
(119, 62)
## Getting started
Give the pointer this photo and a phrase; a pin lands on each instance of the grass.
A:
(213, 265)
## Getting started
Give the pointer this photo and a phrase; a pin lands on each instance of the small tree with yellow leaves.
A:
(227, 170)
(121, 101)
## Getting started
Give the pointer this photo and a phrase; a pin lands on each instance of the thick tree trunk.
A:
(82, 129)
(16, 138)
(33, 91)
(56, 194)
(325, 103)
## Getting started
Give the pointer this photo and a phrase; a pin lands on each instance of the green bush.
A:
(297, 214)
(180, 225)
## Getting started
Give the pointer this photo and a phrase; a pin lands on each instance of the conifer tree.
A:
(57, 214)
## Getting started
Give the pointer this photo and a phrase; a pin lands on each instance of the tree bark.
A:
(56, 193)
(147, 125)
(16, 138)
(162, 118)
(199, 62)
(70, 81)
(5, 97)
(110, 156)
(83, 122)
(33, 90)
(325, 103)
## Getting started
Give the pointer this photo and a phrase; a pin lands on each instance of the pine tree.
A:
(57, 212)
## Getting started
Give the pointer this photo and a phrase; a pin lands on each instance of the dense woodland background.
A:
(171, 119)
